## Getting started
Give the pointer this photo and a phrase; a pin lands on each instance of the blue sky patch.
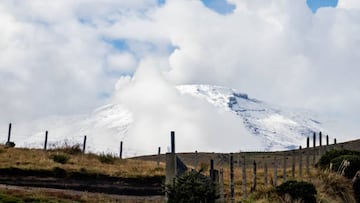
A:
(314, 5)
(219, 6)
(161, 2)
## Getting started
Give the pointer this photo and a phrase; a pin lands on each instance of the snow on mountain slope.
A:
(279, 127)
(276, 128)
(105, 127)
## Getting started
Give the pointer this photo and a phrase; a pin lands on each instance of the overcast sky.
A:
(65, 57)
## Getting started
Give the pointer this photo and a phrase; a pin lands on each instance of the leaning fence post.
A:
(232, 178)
(244, 177)
(121, 150)
(46, 139)
(9, 133)
(84, 145)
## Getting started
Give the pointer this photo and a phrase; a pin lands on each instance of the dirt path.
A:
(79, 195)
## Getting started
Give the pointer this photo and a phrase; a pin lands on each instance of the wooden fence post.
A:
(293, 165)
(327, 140)
(320, 144)
(9, 133)
(244, 177)
(172, 142)
(121, 150)
(158, 158)
(84, 145)
(196, 159)
(221, 185)
(300, 163)
(307, 142)
(314, 152)
(212, 173)
(254, 177)
(284, 168)
(275, 171)
(171, 162)
(46, 139)
(232, 193)
(307, 162)
(265, 173)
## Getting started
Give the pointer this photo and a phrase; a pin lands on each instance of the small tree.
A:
(192, 187)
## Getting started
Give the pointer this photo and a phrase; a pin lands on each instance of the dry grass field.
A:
(331, 187)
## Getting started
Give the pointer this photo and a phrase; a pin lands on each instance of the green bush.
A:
(325, 160)
(192, 187)
(298, 190)
(107, 158)
(351, 170)
(60, 158)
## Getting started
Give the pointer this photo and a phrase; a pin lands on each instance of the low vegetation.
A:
(298, 191)
(192, 187)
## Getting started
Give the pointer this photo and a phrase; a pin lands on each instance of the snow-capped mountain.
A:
(279, 127)
(274, 127)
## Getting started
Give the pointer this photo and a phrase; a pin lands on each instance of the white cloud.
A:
(54, 59)
(349, 4)
(121, 62)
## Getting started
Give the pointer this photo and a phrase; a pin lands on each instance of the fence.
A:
(242, 173)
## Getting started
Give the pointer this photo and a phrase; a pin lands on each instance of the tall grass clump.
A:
(60, 158)
(107, 158)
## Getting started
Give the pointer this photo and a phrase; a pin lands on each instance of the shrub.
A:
(71, 149)
(106, 158)
(298, 190)
(192, 187)
(351, 170)
(60, 158)
(325, 160)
